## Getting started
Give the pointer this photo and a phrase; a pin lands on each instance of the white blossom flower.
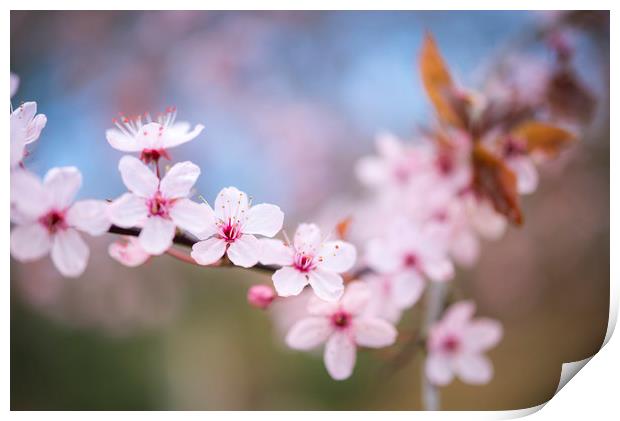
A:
(47, 220)
(157, 206)
(26, 126)
(151, 138)
(232, 226)
(343, 326)
(309, 260)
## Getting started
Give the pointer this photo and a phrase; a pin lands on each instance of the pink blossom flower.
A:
(261, 296)
(128, 252)
(309, 260)
(158, 206)
(26, 126)
(456, 345)
(343, 326)
(151, 138)
(518, 160)
(47, 220)
(231, 228)
(408, 252)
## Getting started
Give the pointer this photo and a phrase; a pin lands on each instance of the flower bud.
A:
(261, 296)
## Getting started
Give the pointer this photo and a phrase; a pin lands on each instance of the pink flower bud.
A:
(261, 296)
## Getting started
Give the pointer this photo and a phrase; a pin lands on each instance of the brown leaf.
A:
(543, 137)
(494, 181)
(438, 84)
(342, 228)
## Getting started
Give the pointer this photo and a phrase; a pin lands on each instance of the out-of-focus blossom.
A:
(391, 295)
(456, 345)
(231, 228)
(309, 260)
(48, 221)
(261, 296)
(343, 326)
(158, 206)
(14, 83)
(128, 252)
(408, 249)
(26, 126)
(151, 138)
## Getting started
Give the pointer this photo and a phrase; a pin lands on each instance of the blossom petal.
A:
(30, 242)
(137, 176)
(28, 194)
(289, 281)
(439, 269)
(438, 369)
(327, 285)
(482, 334)
(128, 210)
(465, 248)
(129, 253)
(374, 332)
(458, 314)
(356, 297)
(211, 226)
(208, 251)
(63, 184)
(275, 252)
(244, 251)
(179, 181)
(339, 356)
(381, 257)
(473, 368)
(308, 333)
(407, 288)
(307, 238)
(191, 216)
(122, 141)
(526, 172)
(319, 307)
(90, 216)
(264, 219)
(156, 235)
(69, 252)
(178, 134)
(337, 256)
(231, 203)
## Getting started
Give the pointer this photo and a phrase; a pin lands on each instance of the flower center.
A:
(450, 344)
(445, 163)
(159, 206)
(341, 319)
(230, 230)
(53, 221)
(304, 262)
(410, 260)
(512, 147)
(152, 155)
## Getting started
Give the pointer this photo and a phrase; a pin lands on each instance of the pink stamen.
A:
(54, 221)
(159, 206)
(341, 319)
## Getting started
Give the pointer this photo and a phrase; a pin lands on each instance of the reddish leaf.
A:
(543, 138)
(438, 84)
(494, 181)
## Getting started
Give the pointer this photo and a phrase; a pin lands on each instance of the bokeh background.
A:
(289, 101)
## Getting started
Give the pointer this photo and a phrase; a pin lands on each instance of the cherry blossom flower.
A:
(408, 252)
(128, 252)
(309, 260)
(158, 206)
(151, 138)
(231, 229)
(516, 156)
(26, 126)
(47, 220)
(456, 345)
(261, 296)
(343, 326)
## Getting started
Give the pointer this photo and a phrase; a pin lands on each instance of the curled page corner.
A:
(568, 372)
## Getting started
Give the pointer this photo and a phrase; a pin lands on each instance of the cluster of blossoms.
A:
(430, 203)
